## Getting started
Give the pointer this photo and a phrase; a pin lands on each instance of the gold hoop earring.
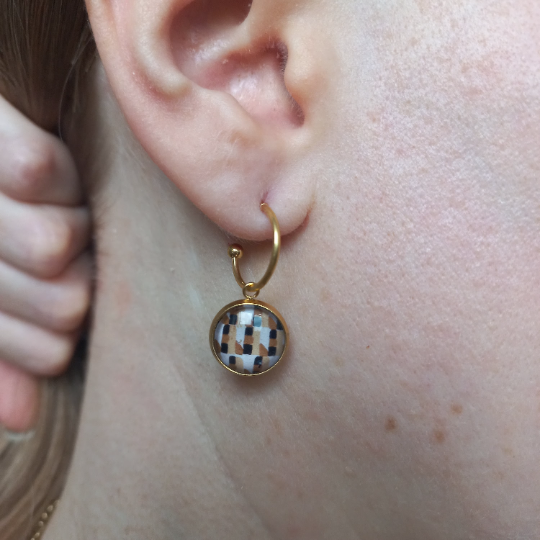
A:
(249, 337)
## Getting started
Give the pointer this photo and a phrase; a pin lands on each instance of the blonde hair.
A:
(45, 47)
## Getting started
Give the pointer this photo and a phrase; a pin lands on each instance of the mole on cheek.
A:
(439, 436)
(391, 424)
(457, 408)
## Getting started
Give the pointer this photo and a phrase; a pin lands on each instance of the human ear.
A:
(213, 93)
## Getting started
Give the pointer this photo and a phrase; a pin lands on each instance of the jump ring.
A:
(250, 295)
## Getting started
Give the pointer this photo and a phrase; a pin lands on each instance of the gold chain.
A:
(44, 520)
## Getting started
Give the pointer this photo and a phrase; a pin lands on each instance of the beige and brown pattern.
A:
(249, 339)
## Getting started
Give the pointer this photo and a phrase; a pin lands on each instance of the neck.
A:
(157, 454)
(146, 465)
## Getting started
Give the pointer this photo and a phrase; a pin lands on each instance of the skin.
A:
(409, 404)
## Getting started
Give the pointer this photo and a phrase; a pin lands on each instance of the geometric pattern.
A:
(249, 339)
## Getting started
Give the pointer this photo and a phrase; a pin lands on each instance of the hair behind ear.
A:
(33, 77)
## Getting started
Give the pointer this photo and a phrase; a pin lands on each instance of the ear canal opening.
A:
(201, 15)
(206, 49)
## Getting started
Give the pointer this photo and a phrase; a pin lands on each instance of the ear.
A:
(209, 89)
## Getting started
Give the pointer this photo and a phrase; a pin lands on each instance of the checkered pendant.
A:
(248, 337)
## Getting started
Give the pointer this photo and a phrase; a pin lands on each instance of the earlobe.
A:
(204, 91)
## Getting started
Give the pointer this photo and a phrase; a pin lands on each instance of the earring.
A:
(249, 337)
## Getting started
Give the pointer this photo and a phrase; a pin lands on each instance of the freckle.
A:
(268, 440)
(390, 424)
(457, 408)
(439, 436)
(325, 296)
(312, 416)
(339, 362)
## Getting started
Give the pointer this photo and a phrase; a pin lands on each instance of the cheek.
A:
(455, 81)
(432, 295)
(440, 163)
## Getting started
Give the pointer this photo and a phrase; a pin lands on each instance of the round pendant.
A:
(248, 337)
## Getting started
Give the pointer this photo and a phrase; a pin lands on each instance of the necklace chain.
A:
(44, 520)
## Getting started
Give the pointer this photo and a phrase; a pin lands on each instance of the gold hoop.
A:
(251, 290)
(249, 337)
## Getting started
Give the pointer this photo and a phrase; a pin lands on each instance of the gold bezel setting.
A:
(240, 303)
